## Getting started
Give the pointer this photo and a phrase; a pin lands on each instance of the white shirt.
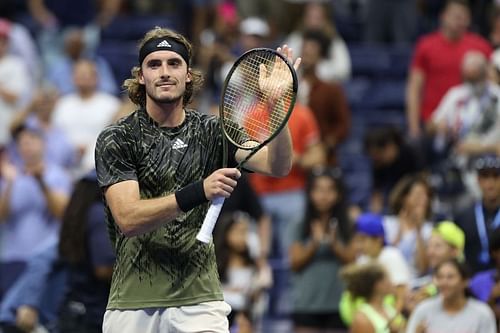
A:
(83, 119)
(14, 78)
(473, 117)
(394, 263)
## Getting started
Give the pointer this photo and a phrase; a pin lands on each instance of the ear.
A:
(141, 77)
(189, 76)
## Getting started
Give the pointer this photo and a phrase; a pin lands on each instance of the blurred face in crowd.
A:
(417, 200)
(85, 77)
(384, 155)
(474, 68)
(455, 20)
(370, 246)
(383, 286)
(315, 16)
(30, 146)
(449, 282)
(311, 55)
(439, 250)
(74, 44)
(324, 194)
(44, 102)
(237, 235)
(489, 183)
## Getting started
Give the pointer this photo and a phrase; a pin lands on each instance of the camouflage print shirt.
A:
(167, 266)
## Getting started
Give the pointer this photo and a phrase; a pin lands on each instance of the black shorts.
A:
(318, 320)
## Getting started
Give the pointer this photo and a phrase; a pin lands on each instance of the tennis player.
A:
(158, 168)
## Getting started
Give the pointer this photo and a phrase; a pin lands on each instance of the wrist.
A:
(191, 196)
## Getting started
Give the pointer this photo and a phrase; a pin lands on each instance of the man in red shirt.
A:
(436, 63)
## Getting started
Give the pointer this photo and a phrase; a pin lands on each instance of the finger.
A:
(296, 65)
(262, 71)
(231, 172)
(228, 181)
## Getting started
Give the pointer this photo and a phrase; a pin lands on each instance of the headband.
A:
(163, 44)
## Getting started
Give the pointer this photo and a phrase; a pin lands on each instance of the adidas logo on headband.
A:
(163, 43)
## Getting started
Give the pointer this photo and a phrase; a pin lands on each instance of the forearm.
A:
(280, 154)
(413, 92)
(56, 202)
(421, 256)
(142, 216)
(264, 232)
(301, 254)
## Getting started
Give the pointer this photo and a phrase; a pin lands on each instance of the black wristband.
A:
(191, 196)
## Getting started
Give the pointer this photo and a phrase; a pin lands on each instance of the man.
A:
(468, 116)
(482, 217)
(436, 63)
(84, 113)
(158, 168)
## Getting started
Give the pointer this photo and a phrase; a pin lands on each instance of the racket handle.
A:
(205, 233)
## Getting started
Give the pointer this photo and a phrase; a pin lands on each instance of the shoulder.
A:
(361, 323)
(428, 40)
(480, 307)
(202, 122)
(430, 305)
(121, 129)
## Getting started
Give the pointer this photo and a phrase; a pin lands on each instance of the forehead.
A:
(163, 55)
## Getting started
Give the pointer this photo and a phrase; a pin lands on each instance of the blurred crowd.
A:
(389, 220)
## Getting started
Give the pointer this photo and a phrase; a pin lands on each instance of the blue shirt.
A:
(30, 228)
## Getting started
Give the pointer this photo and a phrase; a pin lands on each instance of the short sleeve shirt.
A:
(167, 266)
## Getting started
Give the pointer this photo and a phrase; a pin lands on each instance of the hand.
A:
(8, 171)
(36, 170)
(280, 72)
(317, 231)
(221, 183)
(26, 318)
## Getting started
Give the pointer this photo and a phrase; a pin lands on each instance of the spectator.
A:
(436, 63)
(391, 159)
(453, 310)
(327, 100)
(468, 116)
(83, 114)
(371, 283)
(321, 246)
(14, 82)
(32, 201)
(59, 73)
(391, 21)
(374, 248)
(38, 115)
(66, 288)
(483, 216)
(334, 63)
(446, 242)
(409, 229)
(485, 285)
(242, 281)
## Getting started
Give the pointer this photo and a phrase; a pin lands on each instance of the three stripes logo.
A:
(179, 144)
(163, 43)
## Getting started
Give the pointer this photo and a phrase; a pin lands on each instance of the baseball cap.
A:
(371, 225)
(5, 27)
(451, 234)
(487, 162)
(254, 26)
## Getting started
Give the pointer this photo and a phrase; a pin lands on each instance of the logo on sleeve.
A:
(179, 144)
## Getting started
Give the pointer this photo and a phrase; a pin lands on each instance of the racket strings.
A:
(248, 90)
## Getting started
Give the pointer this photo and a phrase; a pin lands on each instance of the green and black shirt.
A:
(168, 266)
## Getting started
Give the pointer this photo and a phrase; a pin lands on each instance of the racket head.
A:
(244, 111)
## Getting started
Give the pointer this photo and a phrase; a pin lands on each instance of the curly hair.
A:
(137, 91)
(403, 187)
(360, 279)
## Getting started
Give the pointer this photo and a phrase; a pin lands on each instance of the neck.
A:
(167, 114)
(491, 204)
(450, 35)
(455, 303)
(86, 94)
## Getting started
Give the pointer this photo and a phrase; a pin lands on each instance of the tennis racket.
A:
(257, 99)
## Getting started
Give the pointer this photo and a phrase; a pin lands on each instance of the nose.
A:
(164, 70)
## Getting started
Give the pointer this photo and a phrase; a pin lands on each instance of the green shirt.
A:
(168, 266)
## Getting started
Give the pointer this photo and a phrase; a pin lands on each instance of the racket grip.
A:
(205, 233)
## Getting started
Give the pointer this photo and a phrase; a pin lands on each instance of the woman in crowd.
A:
(321, 245)
(453, 310)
